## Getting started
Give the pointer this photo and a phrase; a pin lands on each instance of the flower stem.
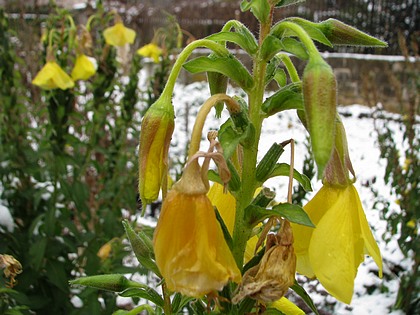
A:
(197, 132)
(290, 67)
(183, 56)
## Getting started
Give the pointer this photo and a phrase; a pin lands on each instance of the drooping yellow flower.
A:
(190, 249)
(51, 76)
(157, 127)
(151, 51)
(333, 251)
(226, 205)
(83, 68)
(119, 35)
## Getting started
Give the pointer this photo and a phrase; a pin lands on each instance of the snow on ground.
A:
(369, 169)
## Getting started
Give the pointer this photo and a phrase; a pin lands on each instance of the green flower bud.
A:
(268, 162)
(339, 33)
(112, 282)
(156, 131)
(319, 97)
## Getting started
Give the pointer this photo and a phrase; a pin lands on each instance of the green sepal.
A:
(288, 97)
(294, 213)
(273, 44)
(267, 163)
(260, 9)
(146, 293)
(285, 3)
(142, 247)
(229, 66)
(110, 282)
(242, 37)
(283, 169)
(299, 290)
(264, 197)
(311, 28)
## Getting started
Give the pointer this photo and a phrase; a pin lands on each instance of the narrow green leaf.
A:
(229, 66)
(305, 296)
(295, 48)
(273, 44)
(288, 97)
(293, 213)
(260, 8)
(145, 293)
(238, 38)
(226, 234)
(179, 301)
(283, 169)
(285, 3)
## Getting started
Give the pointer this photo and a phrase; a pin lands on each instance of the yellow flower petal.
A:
(119, 35)
(287, 307)
(151, 51)
(83, 68)
(190, 249)
(335, 248)
(51, 76)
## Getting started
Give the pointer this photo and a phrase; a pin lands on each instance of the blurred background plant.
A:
(68, 160)
(402, 173)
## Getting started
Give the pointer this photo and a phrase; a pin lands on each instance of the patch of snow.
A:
(6, 219)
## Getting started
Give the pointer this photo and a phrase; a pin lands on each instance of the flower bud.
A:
(111, 282)
(156, 131)
(319, 96)
(218, 84)
(271, 278)
(339, 33)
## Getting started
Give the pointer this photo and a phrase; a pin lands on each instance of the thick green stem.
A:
(183, 56)
(242, 231)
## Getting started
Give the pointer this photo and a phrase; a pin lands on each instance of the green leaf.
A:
(230, 138)
(288, 97)
(56, 275)
(305, 296)
(273, 44)
(273, 311)
(283, 169)
(260, 8)
(36, 253)
(291, 212)
(229, 66)
(226, 234)
(246, 41)
(285, 3)
(145, 293)
(179, 301)
(280, 77)
(311, 28)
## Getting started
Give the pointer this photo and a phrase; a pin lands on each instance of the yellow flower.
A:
(333, 251)
(190, 249)
(151, 51)
(83, 69)
(119, 35)
(226, 205)
(51, 76)
(287, 307)
(157, 127)
(12, 268)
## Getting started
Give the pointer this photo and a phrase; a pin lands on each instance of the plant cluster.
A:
(229, 248)
(68, 155)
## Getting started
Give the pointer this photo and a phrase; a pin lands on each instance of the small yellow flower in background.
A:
(51, 76)
(190, 249)
(12, 268)
(84, 68)
(105, 250)
(333, 251)
(151, 51)
(287, 307)
(411, 224)
(119, 35)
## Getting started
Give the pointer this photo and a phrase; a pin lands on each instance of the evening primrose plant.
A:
(229, 247)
